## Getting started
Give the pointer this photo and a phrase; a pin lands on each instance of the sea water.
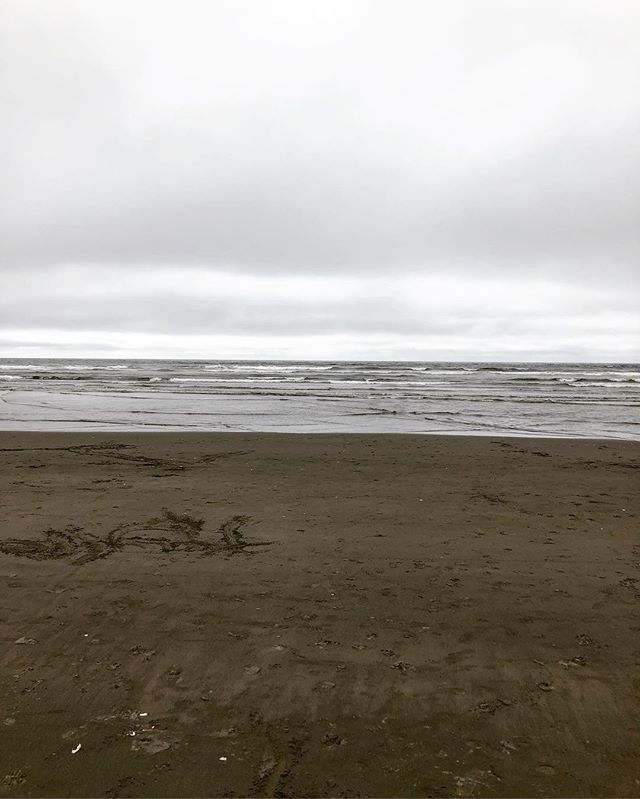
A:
(541, 399)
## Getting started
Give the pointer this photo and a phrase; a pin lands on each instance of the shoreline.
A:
(326, 614)
(177, 431)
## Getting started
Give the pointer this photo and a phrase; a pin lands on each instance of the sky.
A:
(437, 180)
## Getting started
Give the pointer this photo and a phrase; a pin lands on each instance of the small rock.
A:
(251, 670)
(546, 686)
(23, 640)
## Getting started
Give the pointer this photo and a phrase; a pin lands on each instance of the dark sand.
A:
(271, 615)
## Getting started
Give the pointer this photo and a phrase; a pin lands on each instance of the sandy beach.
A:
(330, 615)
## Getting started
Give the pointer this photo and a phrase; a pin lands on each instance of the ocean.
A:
(541, 399)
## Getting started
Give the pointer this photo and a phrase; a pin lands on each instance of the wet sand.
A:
(272, 615)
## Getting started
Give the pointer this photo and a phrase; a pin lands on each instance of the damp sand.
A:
(273, 615)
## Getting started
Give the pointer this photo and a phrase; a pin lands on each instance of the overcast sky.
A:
(320, 179)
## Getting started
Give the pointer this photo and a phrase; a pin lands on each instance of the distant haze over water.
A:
(581, 400)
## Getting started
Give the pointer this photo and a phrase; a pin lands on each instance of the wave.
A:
(22, 366)
(94, 367)
(224, 367)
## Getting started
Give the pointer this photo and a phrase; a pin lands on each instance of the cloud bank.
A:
(362, 179)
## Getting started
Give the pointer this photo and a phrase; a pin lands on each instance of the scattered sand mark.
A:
(278, 766)
(494, 499)
(148, 740)
(71, 543)
(231, 532)
(590, 464)
(631, 584)
(478, 780)
(14, 779)
(177, 533)
(216, 456)
(109, 445)
(117, 453)
(270, 774)
(492, 706)
(177, 523)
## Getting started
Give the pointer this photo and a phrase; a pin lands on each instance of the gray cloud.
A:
(102, 308)
(456, 140)
(191, 315)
